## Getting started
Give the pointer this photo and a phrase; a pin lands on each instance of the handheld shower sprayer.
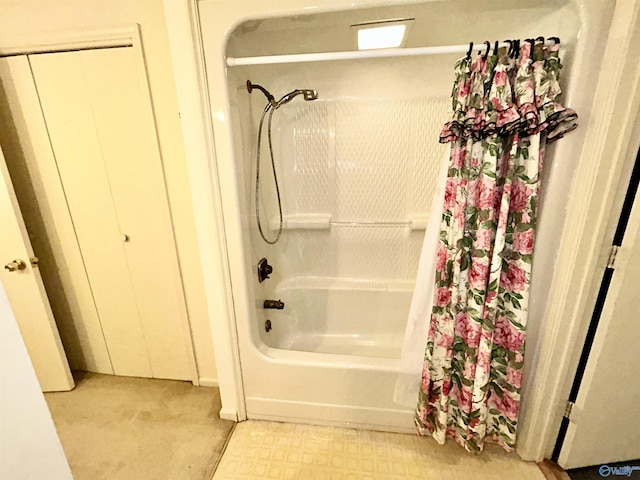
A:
(307, 94)
(271, 107)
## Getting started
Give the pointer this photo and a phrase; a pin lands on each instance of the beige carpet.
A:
(283, 451)
(121, 428)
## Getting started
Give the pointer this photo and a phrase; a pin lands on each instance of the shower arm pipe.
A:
(353, 55)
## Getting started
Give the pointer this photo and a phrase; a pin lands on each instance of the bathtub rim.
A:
(578, 251)
(327, 360)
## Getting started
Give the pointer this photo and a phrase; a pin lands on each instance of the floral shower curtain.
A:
(505, 112)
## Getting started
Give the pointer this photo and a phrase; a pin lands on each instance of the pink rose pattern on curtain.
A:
(505, 112)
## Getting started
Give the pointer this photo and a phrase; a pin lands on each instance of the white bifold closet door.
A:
(119, 305)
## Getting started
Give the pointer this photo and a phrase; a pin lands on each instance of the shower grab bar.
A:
(416, 221)
(353, 55)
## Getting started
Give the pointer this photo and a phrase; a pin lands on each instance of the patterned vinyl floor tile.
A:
(284, 451)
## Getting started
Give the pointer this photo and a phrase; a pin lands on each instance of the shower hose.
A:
(268, 109)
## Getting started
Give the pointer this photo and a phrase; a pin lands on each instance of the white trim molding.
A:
(609, 142)
(207, 382)
(193, 102)
(124, 36)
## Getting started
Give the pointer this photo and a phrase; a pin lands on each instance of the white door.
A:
(26, 294)
(605, 419)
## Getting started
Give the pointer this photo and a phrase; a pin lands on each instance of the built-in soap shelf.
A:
(323, 221)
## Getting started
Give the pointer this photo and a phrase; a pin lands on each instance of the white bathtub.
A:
(332, 355)
(326, 315)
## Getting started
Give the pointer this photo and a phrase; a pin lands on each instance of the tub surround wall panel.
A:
(297, 33)
(309, 30)
(354, 155)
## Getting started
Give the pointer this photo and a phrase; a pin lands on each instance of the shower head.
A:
(308, 95)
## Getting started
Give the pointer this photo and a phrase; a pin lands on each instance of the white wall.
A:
(20, 18)
(29, 445)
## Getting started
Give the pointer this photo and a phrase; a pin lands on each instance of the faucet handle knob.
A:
(264, 270)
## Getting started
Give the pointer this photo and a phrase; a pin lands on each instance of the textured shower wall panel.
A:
(313, 171)
(312, 253)
(372, 151)
(430, 116)
(370, 165)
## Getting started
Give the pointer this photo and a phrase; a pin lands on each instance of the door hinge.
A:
(567, 410)
(611, 262)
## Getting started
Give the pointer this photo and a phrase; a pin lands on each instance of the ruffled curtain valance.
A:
(501, 95)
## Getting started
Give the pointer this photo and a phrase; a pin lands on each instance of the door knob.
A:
(16, 265)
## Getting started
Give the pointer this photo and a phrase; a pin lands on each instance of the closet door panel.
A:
(31, 162)
(125, 123)
(68, 112)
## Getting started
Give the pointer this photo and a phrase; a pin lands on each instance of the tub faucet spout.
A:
(274, 304)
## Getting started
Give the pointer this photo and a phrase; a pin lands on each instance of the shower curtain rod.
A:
(353, 55)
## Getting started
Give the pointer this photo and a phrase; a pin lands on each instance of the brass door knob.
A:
(16, 265)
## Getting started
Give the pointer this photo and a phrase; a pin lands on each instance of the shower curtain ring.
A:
(510, 42)
(470, 50)
(488, 45)
(531, 42)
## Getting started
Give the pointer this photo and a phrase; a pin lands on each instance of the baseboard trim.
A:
(208, 382)
(552, 471)
(226, 414)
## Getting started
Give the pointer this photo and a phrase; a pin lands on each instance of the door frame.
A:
(187, 52)
(611, 144)
(607, 288)
(117, 36)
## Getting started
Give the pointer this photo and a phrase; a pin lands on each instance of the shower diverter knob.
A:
(264, 270)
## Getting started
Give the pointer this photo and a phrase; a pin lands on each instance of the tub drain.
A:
(267, 326)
